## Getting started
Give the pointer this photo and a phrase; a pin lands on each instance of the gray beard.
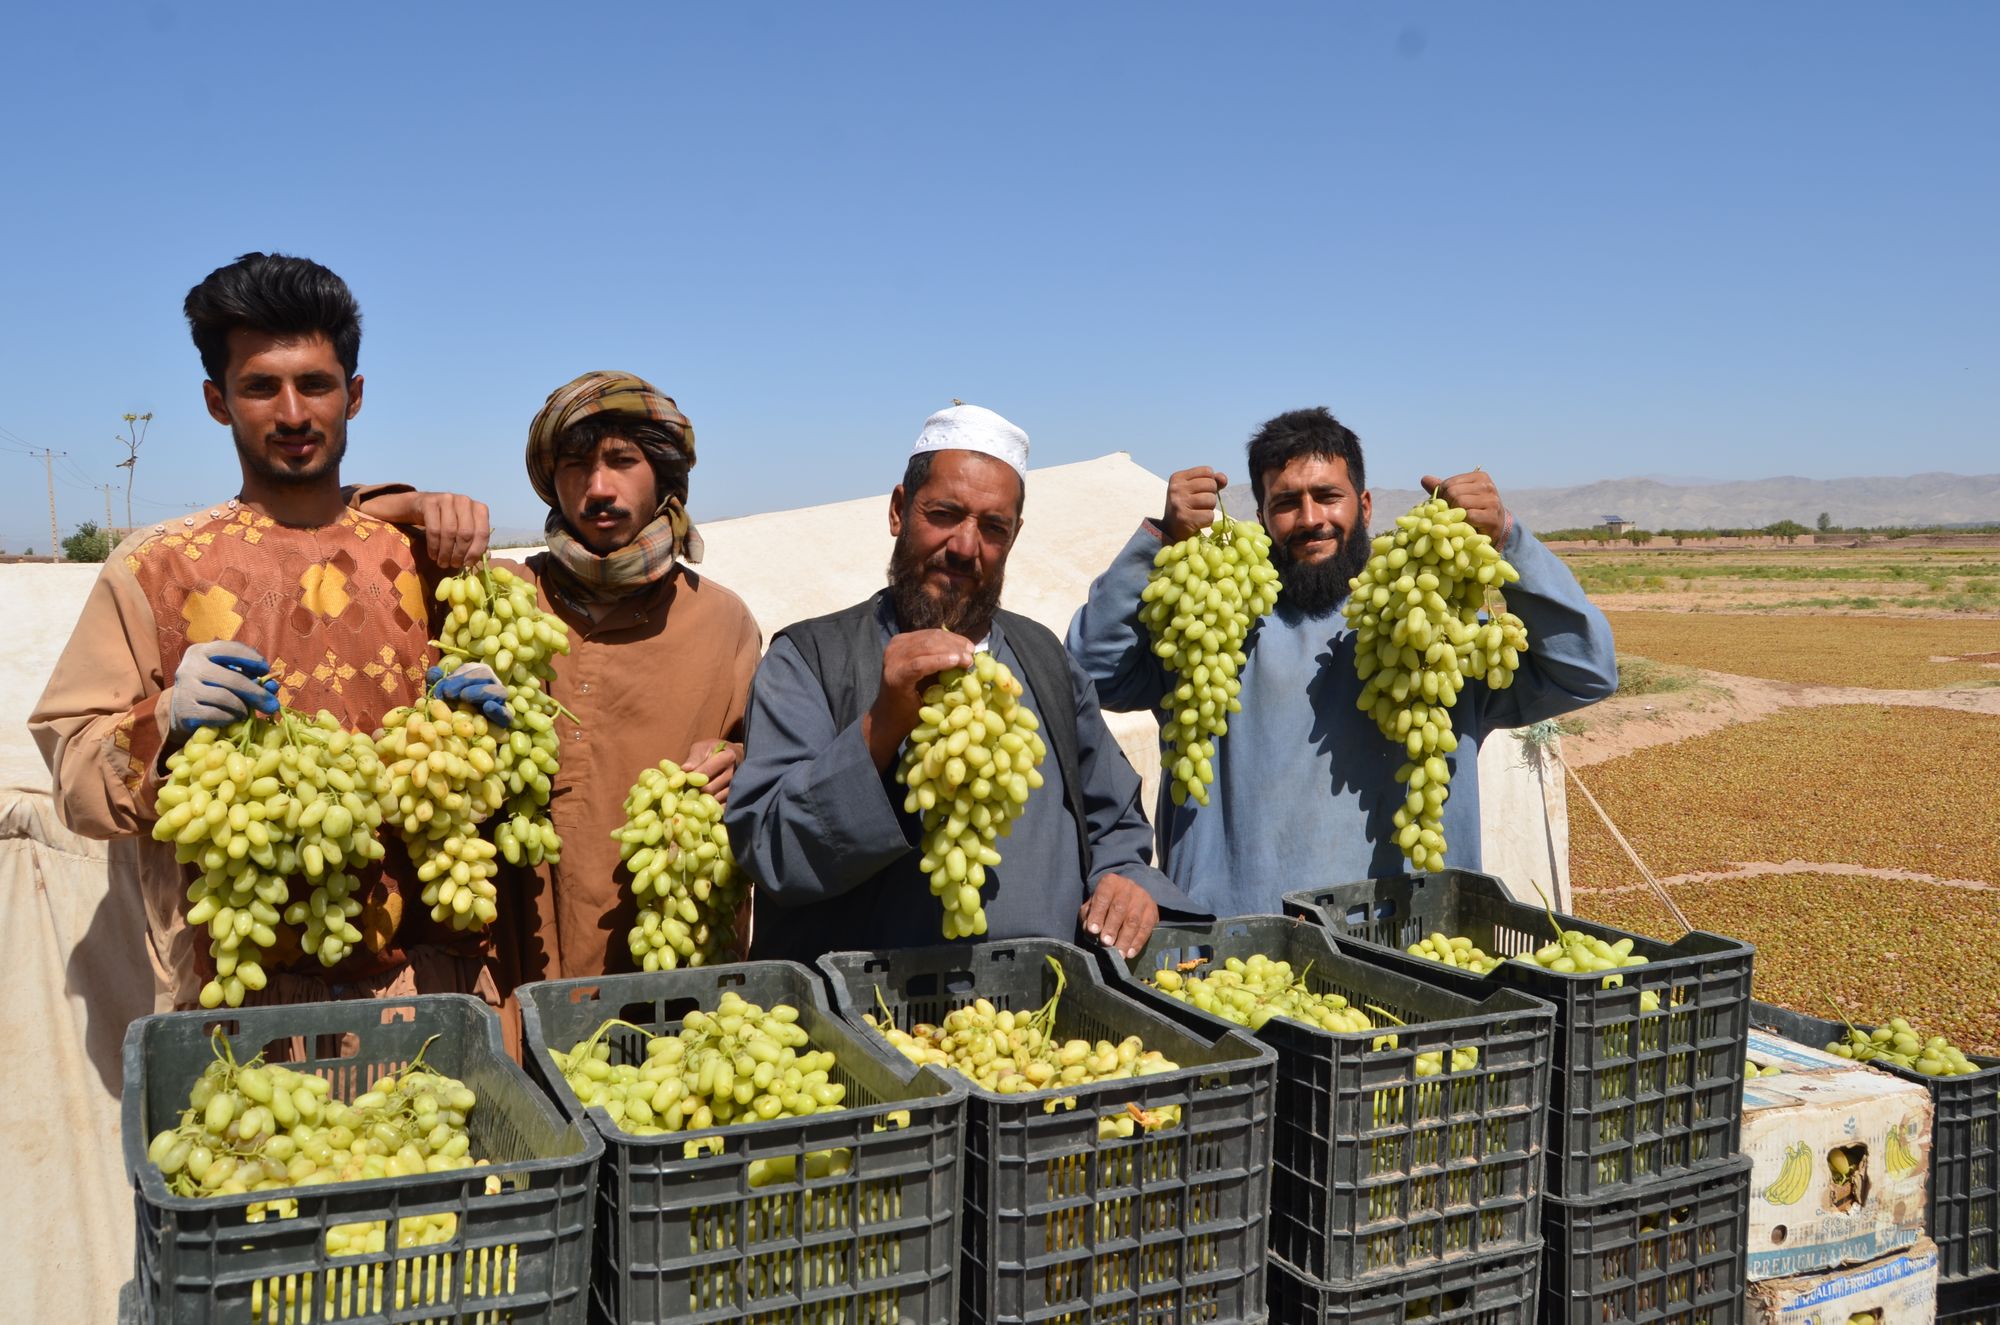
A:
(971, 616)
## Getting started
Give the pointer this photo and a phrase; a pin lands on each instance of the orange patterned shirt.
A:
(339, 611)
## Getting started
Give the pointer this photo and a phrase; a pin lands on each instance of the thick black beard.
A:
(1316, 589)
(258, 463)
(918, 609)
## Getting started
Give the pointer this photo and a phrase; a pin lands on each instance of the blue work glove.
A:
(219, 683)
(475, 684)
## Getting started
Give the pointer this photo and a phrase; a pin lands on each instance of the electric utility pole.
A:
(49, 464)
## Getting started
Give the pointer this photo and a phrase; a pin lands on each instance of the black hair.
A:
(277, 295)
(918, 472)
(658, 441)
(1304, 432)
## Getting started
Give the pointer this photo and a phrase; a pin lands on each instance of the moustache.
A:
(951, 561)
(311, 435)
(1305, 536)
(592, 510)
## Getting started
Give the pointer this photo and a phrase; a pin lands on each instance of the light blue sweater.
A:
(1305, 785)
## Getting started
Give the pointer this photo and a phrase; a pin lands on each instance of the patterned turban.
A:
(598, 393)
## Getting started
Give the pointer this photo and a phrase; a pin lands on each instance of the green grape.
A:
(1897, 1042)
(970, 763)
(1415, 609)
(740, 1063)
(1205, 593)
(495, 618)
(443, 783)
(1251, 991)
(258, 1128)
(254, 806)
(683, 872)
(1454, 951)
(1016, 1053)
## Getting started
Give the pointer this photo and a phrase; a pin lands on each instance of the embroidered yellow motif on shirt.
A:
(333, 673)
(210, 615)
(411, 589)
(385, 672)
(325, 591)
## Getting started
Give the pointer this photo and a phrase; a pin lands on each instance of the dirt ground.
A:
(1816, 779)
(1626, 723)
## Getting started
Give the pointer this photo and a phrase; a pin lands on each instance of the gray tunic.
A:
(834, 855)
(1305, 788)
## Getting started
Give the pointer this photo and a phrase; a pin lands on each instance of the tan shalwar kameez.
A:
(665, 667)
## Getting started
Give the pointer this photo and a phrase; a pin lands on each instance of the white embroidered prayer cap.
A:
(972, 428)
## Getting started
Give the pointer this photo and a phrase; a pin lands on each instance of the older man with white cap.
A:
(815, 814)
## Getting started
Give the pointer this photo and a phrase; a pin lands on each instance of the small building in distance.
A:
(1618, 525)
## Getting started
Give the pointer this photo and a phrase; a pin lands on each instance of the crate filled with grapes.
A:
(1646, 1076)
(1410, 1120)
(1496, 1289)
(763, 1162)
(369, 1160)
(1668, 1251)
(1963, 1206)
(1117, 1159)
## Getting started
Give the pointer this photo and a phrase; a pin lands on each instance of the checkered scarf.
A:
(671, 536)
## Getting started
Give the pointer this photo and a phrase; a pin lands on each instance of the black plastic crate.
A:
(1962, 1212)
(684, 1236)
(521, 1255)
(1674, 1252)
(1060, 1224)
(1969, 1301)
(1488, 1290)
(1634, 1095)
(1375, 1169)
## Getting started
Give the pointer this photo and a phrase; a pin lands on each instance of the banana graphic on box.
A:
(1794, 1178)
(1898, 1157)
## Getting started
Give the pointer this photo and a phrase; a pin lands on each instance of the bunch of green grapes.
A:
(1575, 951)
(495, 618)
(1251, 992)
(442, 784)
(1205, 593)
(740, 1063)
(1896, 1041)
(683, 872)
(1454, 951)
(1416, 612)
(255, 805)
(255, 1127)
(1751, 1071)
(970, 763)
(1018, 1053)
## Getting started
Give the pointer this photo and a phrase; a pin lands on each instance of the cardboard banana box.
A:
(1898, 1289)
(1840, 1170)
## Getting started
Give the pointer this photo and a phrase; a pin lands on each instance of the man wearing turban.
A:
(660, 656)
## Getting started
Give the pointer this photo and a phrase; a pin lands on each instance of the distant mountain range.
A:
(1918, 499)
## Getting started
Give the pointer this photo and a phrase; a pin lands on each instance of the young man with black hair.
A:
(280, 596)
(1305, 786)
(815, 814)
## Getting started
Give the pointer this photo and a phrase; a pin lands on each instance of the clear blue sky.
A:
(1565, 242)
